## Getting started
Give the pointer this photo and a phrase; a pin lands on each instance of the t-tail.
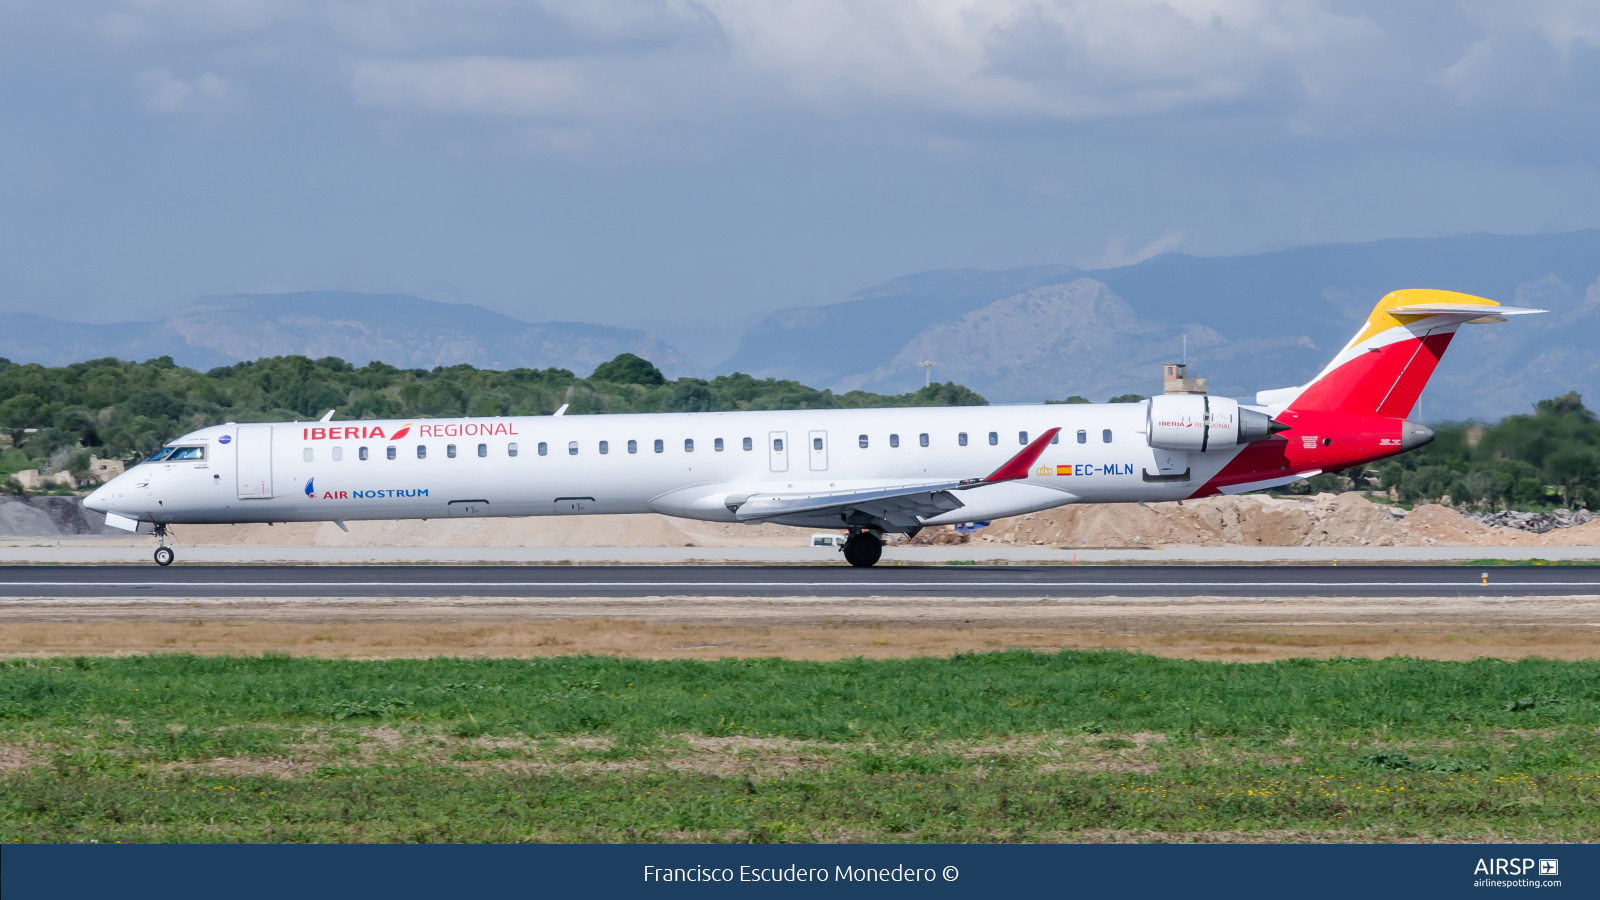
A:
(1356, 410)
(1383, 369)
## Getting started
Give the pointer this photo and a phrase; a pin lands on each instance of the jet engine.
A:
(1199, 422)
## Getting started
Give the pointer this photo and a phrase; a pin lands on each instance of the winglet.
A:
(1018, 466)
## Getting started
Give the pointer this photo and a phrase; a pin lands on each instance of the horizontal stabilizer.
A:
(1477, 314)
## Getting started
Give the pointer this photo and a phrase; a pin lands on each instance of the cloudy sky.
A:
(689, 165)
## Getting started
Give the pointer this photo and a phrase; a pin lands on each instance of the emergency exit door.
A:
(818, 448)
(778, 450)
(254, 460)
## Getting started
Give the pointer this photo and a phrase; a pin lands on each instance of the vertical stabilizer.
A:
(1386, 365)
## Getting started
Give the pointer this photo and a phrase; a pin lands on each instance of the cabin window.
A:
(188, 454)
(450, 450)
(661, 446)
(338, 454)
(816, 443)
(994, 438)
(605, 447)
(362, 453)
(862, 440)
(777, 444)
(922, 439)
(1083, 437)
(688, 445)
(422, 451)
(1105, 436)
(633, 446)
(749, 444)
(306, 454)
(894, 440)
(544, 449)
(572, 448)
(511, 449)
(1022, 438)
(717, 445)
(159, 455)
(390, 453)
(483, 449)
(962, 439)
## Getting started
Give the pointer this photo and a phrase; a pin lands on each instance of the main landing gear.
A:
(863, 548)
(164, 554)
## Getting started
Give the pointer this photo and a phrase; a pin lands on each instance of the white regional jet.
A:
(870, 471)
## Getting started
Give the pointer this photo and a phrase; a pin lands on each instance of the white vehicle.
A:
(827, 539)
(869, 471)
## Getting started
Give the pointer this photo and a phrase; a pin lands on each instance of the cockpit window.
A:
(187, 453)
(159, 455)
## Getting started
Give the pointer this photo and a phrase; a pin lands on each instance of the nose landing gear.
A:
(863, 548)
(164, 554)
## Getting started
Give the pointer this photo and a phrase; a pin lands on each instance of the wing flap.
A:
(893, 504)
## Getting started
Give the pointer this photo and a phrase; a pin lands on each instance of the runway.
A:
(1046, 582)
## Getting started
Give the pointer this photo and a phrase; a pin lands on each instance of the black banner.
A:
(1183, 872)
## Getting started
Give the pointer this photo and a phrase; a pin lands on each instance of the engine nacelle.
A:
(1195, 423)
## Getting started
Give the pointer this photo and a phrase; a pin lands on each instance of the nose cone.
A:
(1414, 435)
(97, 500)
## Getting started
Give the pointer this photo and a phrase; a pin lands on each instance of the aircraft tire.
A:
(863, 550)
(165, 556)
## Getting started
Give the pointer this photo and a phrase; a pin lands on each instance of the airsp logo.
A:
(1524, 866)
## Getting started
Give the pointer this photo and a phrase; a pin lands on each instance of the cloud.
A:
(1117, 255)
(984, 59)
(1317, 66)
(161, 91)
(632, 71)
(169, 21)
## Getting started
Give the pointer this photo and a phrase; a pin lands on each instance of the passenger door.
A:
(778, 450)
(819, 451)
(254, 462)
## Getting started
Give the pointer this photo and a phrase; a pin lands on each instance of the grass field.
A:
(1012, 746)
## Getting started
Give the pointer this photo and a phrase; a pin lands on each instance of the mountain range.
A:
(1020, 335)
(1252, 322)
(404, 331)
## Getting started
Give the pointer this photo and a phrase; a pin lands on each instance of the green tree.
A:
(126, 410)
(625, 368)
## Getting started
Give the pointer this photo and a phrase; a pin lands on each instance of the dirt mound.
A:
(1325, 520)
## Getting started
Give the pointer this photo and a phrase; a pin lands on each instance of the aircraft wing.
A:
(902, 506)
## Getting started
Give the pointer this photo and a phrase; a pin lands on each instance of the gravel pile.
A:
(1536, 522)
